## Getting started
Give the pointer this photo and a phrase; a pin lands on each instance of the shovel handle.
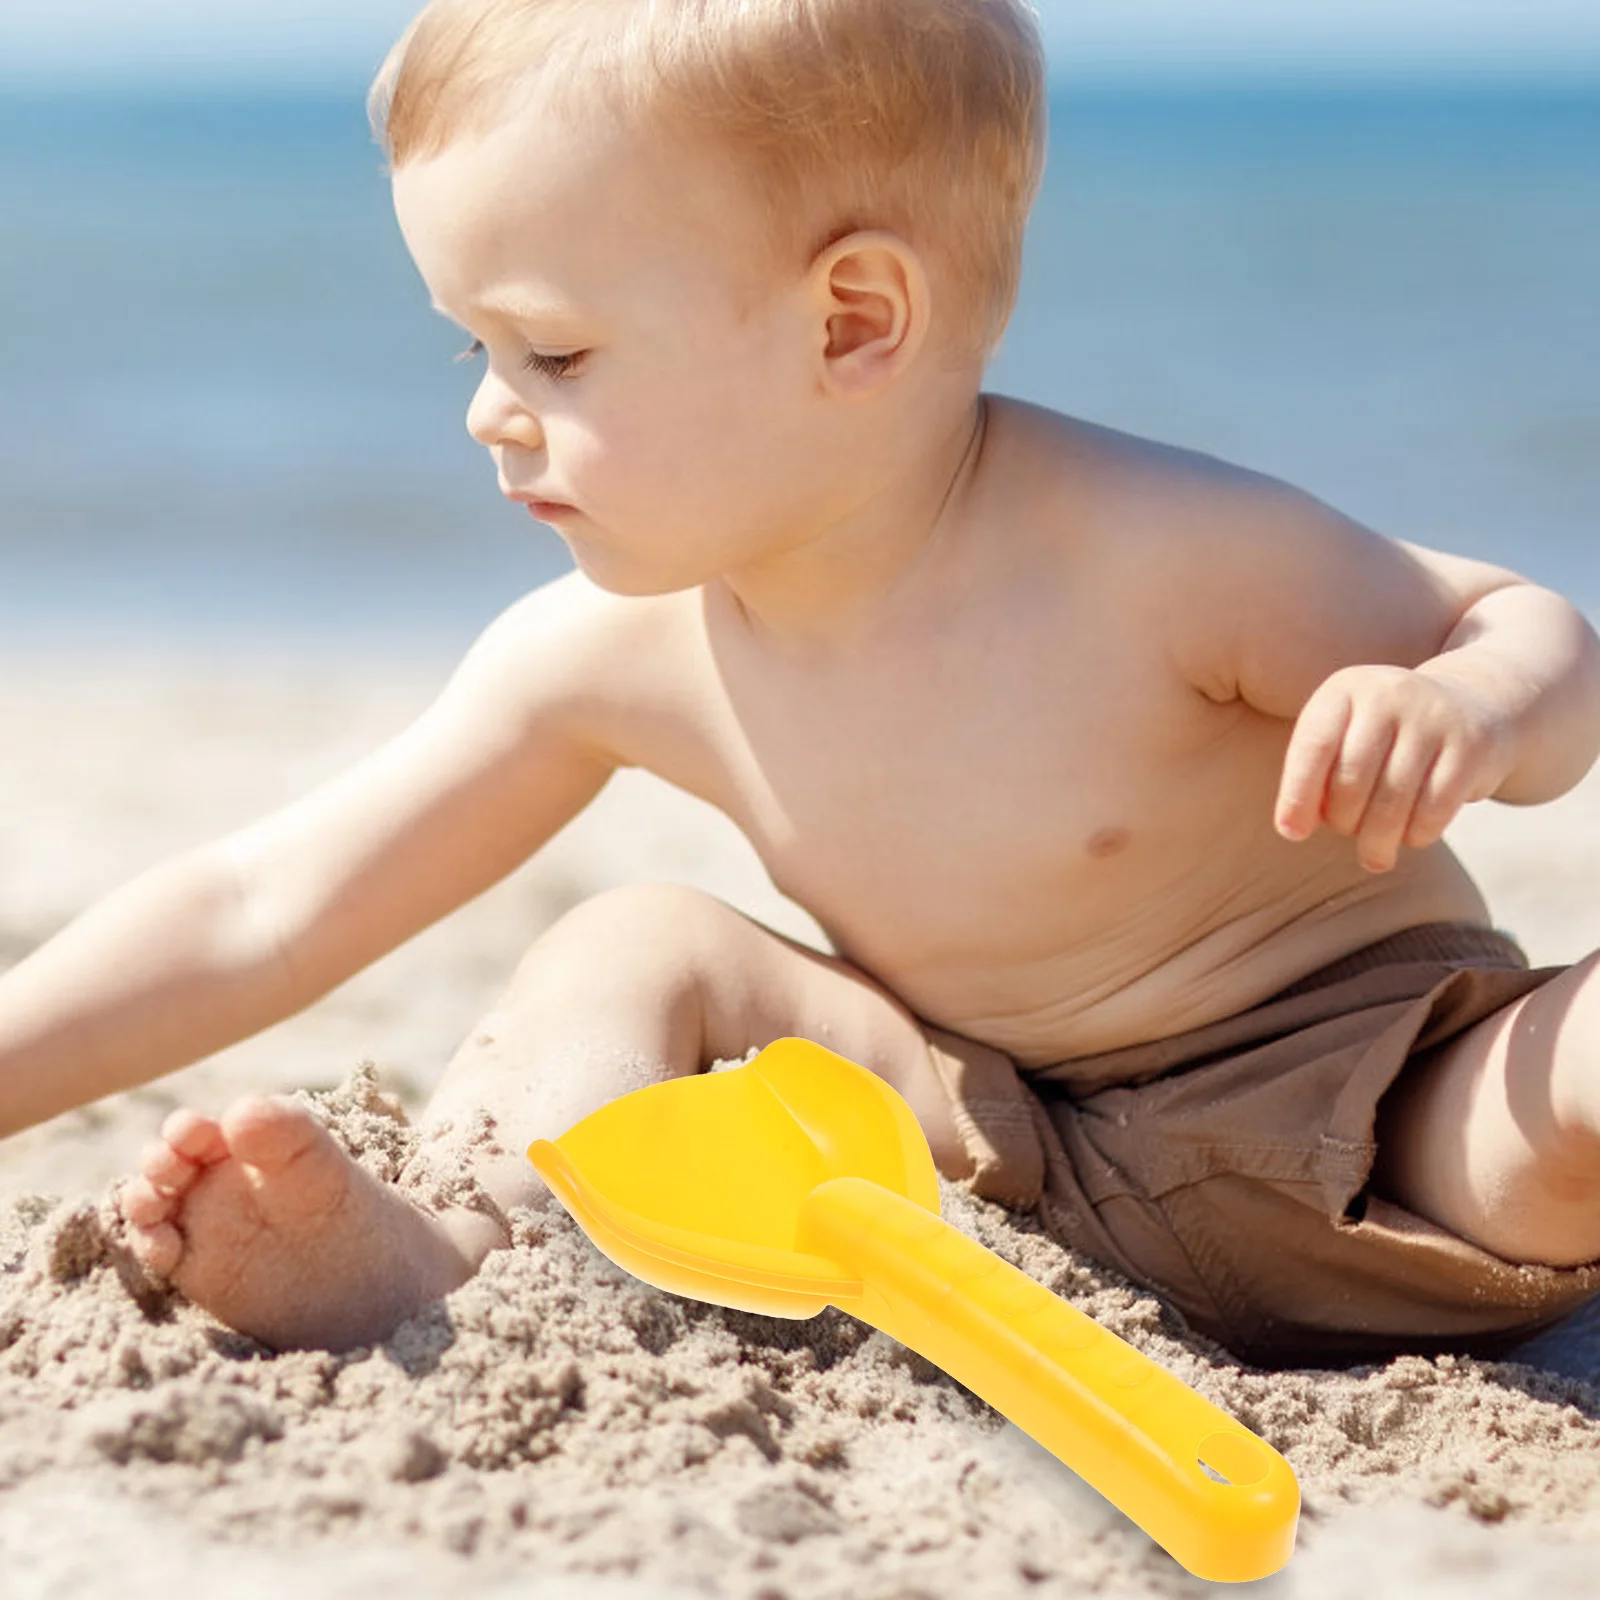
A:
(1125, 1424)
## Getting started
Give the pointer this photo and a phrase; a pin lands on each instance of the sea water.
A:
(226, 409)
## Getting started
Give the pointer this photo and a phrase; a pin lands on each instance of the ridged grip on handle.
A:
(1133, 1430)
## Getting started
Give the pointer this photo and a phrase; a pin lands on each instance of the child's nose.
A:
(497, 416)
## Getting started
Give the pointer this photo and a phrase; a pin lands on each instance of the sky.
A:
(344, 40)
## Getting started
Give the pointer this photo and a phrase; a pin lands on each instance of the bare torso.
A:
(1009, 807)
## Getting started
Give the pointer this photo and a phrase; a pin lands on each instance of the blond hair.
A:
(925, 117)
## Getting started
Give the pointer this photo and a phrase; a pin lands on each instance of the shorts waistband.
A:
(1460, 944)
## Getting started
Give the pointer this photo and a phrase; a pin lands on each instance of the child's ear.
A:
(875, 305)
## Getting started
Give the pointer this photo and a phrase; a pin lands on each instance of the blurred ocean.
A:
(226, 410)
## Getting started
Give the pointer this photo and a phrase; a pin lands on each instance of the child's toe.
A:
(197, 1137)
(269, 1131)
(158, 1249)
(144, 1205)
(167, 1168)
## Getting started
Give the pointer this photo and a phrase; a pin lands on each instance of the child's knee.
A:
(660, 935)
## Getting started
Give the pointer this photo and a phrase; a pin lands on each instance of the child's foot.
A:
(264, 1220)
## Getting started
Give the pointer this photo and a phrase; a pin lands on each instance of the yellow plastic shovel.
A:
(802, 1180)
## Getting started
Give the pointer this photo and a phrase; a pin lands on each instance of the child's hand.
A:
(1389, 755)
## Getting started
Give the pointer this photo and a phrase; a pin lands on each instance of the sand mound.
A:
(555, 1417)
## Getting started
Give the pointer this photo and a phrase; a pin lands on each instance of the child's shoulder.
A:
(1128, 484)
(596, 659)
(1240, 574)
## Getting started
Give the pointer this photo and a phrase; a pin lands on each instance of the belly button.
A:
(1107, 842)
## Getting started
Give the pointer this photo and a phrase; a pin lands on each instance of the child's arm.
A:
(1417, 681)
(234, 936)
(157, 974)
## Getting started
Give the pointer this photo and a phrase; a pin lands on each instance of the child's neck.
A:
(831, 595)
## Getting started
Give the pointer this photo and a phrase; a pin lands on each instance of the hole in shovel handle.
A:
(1235, 1459)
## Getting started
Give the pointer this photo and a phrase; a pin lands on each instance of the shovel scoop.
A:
(802, 1180)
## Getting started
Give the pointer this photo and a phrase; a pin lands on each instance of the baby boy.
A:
(1116, 776)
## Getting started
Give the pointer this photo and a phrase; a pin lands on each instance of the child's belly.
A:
(1142, 978)
(1064, 980)
(1067, 920)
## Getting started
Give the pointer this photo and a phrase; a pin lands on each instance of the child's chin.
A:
(626, 578)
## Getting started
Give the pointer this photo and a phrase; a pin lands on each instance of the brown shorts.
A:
(1226, 1168)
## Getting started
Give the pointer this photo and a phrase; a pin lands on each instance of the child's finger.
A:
(1444, 792)
(1362, 757)
(1313, 748)
(1393, 802)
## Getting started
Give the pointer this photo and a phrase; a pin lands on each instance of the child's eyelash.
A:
(550, 366)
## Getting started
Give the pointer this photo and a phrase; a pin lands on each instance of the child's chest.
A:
(998, 793)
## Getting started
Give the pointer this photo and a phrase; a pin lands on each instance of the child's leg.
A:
(655, 981)
(264, 1219)
(1498, 1137)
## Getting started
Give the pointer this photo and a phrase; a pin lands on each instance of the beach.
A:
(555, 1427)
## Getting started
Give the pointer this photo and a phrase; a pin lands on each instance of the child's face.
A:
(686, 434)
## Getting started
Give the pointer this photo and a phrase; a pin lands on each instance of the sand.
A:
(555, 1427)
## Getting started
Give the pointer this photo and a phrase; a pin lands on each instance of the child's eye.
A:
(551, 366)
